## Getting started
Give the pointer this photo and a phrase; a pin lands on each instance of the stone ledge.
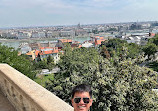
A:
(5, 105)
(27, 95)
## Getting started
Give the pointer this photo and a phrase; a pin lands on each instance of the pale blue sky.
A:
(23, 13)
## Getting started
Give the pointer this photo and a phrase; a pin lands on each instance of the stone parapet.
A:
(26, 95)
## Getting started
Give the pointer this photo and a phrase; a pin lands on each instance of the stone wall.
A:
(26, 95)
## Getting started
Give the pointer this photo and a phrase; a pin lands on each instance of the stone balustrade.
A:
(26, 95)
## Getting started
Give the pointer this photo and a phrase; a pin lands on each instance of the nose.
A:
(81, 102)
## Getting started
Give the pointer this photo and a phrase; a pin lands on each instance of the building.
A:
(61, 42)
(24, 48)
(9, 35)
(87, 44)
(38, 35)
(67, 33)
(80, 32)
(23, 35)
(44, 52)
(34, 46)
(98, 40)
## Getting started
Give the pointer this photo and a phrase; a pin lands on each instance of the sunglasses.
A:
(78, 99)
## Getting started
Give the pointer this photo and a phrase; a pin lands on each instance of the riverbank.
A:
(15, 43)
(40, 39)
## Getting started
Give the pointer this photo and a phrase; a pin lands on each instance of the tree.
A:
(113, 46)
(117, 47)
(123, 86)
(50, 62)
(154, 40)
(77, 59)
(10, 56)
(43, 64)
(74, 65)
(150, 49)
(104, 52)
(49, 59)
(134, 50)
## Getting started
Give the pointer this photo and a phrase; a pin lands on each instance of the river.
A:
(16, 43)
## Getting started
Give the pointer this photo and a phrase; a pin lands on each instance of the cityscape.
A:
(107, 47)
(79, 30)
(136, 32)
(59, 57)
(49, 41)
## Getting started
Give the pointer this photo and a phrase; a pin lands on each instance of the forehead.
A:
(82, 94)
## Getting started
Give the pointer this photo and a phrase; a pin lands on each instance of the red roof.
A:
(48, 47)
(98, 40)
(43, 50)
(101, 38)
(36, 52)
(79, 46)
(152, 34)
(50, 52)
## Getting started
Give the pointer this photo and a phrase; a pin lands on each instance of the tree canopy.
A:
(121, 85)
(150, 49)
(117, 47)
(10, 56)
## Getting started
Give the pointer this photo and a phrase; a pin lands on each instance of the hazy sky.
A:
(21, 13)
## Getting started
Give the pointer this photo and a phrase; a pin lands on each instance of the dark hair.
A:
(82, 88)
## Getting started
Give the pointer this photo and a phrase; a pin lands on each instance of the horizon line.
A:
(40, 26)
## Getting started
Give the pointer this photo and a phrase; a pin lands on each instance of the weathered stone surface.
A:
(5, 105)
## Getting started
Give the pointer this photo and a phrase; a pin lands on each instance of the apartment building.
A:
(23, 35)
(67, 33)
(38, 35)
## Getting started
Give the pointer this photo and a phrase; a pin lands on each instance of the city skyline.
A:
(26, 13)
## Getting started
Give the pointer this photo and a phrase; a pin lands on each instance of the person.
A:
(81, 97)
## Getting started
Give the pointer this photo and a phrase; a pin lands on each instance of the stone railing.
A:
(26, 95)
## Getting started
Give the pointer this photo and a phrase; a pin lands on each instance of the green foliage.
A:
(150, 49)
(134, 50)
(77, 59)
(120, 48)
(10, 56)
(50, 59)
(153, 65)
(41, 64)
(74, 65)
(120, 85)
(154, 40)
(43, 79)
(126, 87)
(46, 63)
(50, 62)
(104, 52)
(114, 43)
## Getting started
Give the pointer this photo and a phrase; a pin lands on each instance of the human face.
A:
(81, 106)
